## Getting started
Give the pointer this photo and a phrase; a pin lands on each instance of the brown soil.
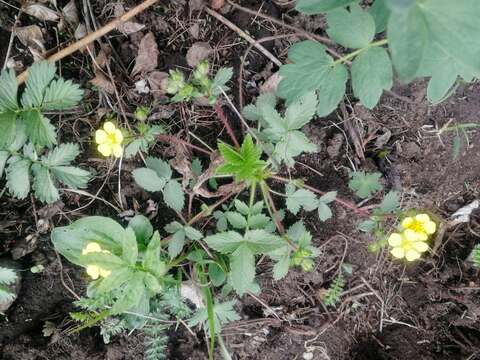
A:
(428, 310)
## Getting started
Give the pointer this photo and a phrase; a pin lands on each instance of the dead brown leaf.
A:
(217, 4)
(41, 12)
(158, 81)
(128, 27)
(32, 37)
(103, 83)
(198, 52)
(147, 57)
(70, 14)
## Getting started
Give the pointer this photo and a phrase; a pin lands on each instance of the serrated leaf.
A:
(173, 195)
(63, 154)
(39, 129)
(7, 276)
(300, 112)
(151, 260)
(353, 29)
(390, 202)
(192, 233)
(129, 247)
(258, 221)
(313, 7)
(176, 243)
(280, 269)
(371, 74)
(292, 144)
(8, 128)
(133, 148)
(4, 155)
(324, 211)
(71, 176)
(365, 184)
(61, 94)
(43, 185)
(257, 208)
(8, 91)
(173, 227)
(221, 78)
(226, 242)
(261, 241)
(242, 207)
(148, 179)
(18, 177)
(367, 225)
(236, 219)
(242, 264)
(40, 75)
(380, 13)
(301, 198)
(162, 168)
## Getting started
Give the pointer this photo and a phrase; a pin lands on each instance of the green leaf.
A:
(148, 179)
(381, 13)
(162, 168)
(131, 294)
(258, 221)
(104, 260)
(152, 283)
(280, 269)
(173, 227)
(45, 189)
(371, 74)
(8, 128)
(174, 196)
(39, 129)
(61, 94)
(151, 260)
(8, 91)
(129, 246)
(226, 242)
(353, 29)
(264, 101)
(115, 280)
(71, 176)
(365, 184)
(261, 241)
(7, 276)
(176, 243)
(237, 220)
(216, 274)
(221, 78)
(18, 176)
(313, 7)
(4, 155)
(328, 197)
(367, 225)
(407, 39)
(242, 207)
(134, 147)
(301, 198)
(242, 265)
(192, 233)
(400, 5)
(142, 227)
(40, 75)
(300, 112)
(292, 144)
(63, 154)
(390, 202)
(324, 212)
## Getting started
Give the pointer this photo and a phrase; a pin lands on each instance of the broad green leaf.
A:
(258, 221)
(61, 94)
(400, 5)
(254, 112)
(328, 197)
(148, 179)
(151, 260)
(20, 137)
(8, 91)
(226, 242)
(242, 265)
(152, 283)
(407, 38)
(353, 29)
(63, 154)
(312, 7)
(367, 225)
(300, 112)
(261, 241)
(39, 129)
(131, 294)
(173, 195)
(280, 269)
(236, 219)
(176, 243)
(43, 185)
(324, 212)
(390, 202)
(40, 75)
(18, 176)
(216, 274)
(162, 168)
(142, 227)
(104, 260)
(133, 148)
(365, 184)
(371, 74)
(115, 280)
(4, 155)
(8, 128)
(332, 89)
(257, 208)
(381, 13)
(301, 198)
(241, 207)
(173, 227)
(192, 233)
(129, 246)
(71, 176)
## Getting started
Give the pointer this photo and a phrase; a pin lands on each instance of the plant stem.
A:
(224, 120)
(253, 189)
(359, 51)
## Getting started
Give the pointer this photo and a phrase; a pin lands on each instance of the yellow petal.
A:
(104, 273)
(109, 127)
(420, 246)
(105, 149)
(395, 240)
(407, 222)
(430, 227)
(412, 255)
(91, 247)
(422, 236)
(93, 271)
(118, 136)
(410, 235)
(117, 150)
(398, 252)
(100, 136)
(422, 218)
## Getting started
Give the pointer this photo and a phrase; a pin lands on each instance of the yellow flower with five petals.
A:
(94, 271)
(109, 140)
(419, 226)
(406, 245)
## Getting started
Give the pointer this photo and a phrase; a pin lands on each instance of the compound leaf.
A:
(365, 184)
(226, 242)
(40, 75)
(390, 202)
(8, 128)
(162, 168)
(63, 154)
(236, 219)
(43, 185)
(18, 177)
(61, 94)
(173, 195)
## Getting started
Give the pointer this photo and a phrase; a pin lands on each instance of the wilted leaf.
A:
(147, 58)
(101, 82)
(198, 52)
(128, 27)
(70, 13)
(158, 81)
(32, 37)
(41, 12)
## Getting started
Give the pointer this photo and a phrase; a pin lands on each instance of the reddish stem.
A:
(224, 120)
(171, 138)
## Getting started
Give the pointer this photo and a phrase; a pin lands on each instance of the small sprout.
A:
(94, 271)
(109, 140)
(141, 113)
(176, 82)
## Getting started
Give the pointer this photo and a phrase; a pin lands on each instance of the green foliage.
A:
(332, 297)
(365, 184)
(7, 277)
(199, 85)
(306, 199)
(223, 314)
(245, 163)
(179, 233)
(157, 176)
(475, 256)
(143, 138)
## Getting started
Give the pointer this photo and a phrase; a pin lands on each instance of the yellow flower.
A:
(109, 140)
(404, 245)
(94, 271)
(419, 226)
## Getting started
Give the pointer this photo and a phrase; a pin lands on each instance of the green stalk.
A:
(253, 189)
(359, 51)
(211, 315)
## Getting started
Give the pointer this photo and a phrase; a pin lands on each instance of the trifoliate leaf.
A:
(40, 75)
(63, 154)
(390, 202)
(236, 219)
(353, 29)
(371, 74)
(301, 198)
(71, 176)
(162, 168)
(8, 91)
(8, 128)
(61, 94)
(242, 264)
(148, 179)
(45, 189)
(364, 184)
(18, 176)
(313, 7)
(173, 195)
